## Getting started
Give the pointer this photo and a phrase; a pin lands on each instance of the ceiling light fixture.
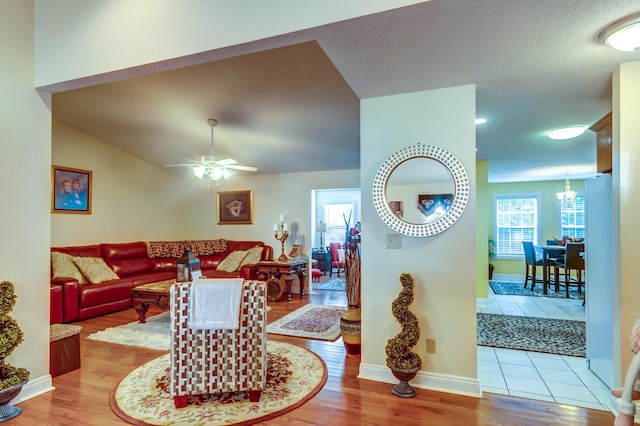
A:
(624, 34)
(481, 120)
(563, 133)
(567, 197)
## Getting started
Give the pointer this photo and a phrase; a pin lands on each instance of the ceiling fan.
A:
(210, 167)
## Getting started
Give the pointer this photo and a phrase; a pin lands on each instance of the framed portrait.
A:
(434, 206)
(397, 207)
(296, 251)
(70, 190)
(235, 208)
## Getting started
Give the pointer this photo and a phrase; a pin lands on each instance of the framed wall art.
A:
(235, 208)
(70, 190)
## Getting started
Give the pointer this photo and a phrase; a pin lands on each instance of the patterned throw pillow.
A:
(232, 262)
(63, 267)
(253, 256)
(95, 269)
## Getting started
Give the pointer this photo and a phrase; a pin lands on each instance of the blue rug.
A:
(517, 289)
(333, 284)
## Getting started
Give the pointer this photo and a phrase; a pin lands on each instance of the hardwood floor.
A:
(81, 397)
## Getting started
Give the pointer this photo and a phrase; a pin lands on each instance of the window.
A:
(334, 215)
(516, 220)
(572, 219)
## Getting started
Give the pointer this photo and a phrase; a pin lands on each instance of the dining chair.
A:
(572, 262)
(337, 257)
(531, 264)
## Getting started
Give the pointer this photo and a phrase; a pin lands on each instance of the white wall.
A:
(443, 266)
(25, 132)
(626, 188)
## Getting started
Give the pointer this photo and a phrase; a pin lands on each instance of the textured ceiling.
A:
(291, 103)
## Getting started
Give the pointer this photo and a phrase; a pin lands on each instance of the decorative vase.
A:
(350, 330)
(404, 389)
(8, 412)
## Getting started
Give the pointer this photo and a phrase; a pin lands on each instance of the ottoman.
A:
(315, 274)
(64, 348)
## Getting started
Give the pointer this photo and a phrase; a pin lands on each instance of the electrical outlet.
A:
(394, 241)
(431, 345)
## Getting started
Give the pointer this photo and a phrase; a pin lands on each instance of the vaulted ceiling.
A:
(291, 103)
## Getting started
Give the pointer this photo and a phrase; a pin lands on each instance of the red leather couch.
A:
(133, 265)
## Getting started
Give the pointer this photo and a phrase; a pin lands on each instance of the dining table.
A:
(549, 253)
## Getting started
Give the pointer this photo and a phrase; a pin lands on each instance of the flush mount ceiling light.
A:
(563, 133)
(481, 120)
(623, 34)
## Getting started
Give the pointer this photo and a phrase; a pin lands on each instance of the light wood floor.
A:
(81, 397)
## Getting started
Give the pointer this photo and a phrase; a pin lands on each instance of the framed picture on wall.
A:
(433, 206)
(70, 190)
(235, 208)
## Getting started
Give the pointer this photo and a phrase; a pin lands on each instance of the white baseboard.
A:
(425, 380)
(33, 388)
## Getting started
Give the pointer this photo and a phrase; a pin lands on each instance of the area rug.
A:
(517, 289)
(333, 284)
(554, 336)
(294, 375)
(154, 334)
(320, 322)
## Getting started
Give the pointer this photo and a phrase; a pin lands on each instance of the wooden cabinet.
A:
(324, 260)
(604, 144)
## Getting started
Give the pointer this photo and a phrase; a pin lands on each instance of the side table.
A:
(279, 276)
(324, 260)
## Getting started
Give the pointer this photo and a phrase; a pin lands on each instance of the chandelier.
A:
(568, 197)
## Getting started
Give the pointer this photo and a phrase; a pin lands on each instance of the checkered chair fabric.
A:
(217, 361)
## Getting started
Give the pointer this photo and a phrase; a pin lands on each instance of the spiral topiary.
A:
(398, 349)
(10, 337)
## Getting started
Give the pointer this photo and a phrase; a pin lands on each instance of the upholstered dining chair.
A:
(209, 361)
(572, 262)
(531, 264)
(337, 261)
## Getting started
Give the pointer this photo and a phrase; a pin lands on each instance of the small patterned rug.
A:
(294, 375)
(517, 289)
(554, 336)
(333, 284)
(320, 322)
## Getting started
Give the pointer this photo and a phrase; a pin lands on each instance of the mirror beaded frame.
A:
(460, 198)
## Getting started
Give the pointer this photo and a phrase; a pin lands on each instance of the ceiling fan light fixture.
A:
(564, 133)
(623, 35)
(199, 171)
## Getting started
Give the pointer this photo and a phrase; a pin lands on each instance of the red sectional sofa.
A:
(134, 264)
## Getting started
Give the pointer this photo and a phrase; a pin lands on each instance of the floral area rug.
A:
(333, 284)
(554, 336)
(294, 375)
(320, 322)
(517, 289)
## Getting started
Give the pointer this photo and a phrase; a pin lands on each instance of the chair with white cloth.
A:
(218, 338)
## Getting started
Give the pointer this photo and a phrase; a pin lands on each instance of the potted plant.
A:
(492, 256)
(404, 363)
(12, 379)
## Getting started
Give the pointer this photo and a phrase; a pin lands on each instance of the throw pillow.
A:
(95, 269)
(341, 255)
(253, 256)
(232, 262)
(63, 267)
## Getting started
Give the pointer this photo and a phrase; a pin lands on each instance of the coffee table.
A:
(156, 294)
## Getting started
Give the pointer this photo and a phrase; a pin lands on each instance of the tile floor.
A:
(534, 375)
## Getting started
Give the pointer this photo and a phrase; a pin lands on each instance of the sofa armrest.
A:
(55, 304)
(249, 272)
(70, 298)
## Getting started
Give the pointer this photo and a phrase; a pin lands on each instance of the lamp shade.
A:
(321, 227)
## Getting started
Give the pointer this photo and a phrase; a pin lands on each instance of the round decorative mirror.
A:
(421, 190)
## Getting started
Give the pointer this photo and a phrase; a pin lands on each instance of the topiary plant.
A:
(10, 337)
(398, 349)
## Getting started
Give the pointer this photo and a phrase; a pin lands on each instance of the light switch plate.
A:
(394, 241)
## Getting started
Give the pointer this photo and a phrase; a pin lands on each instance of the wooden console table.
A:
(279, 276)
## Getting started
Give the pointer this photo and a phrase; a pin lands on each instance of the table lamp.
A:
(321, 228)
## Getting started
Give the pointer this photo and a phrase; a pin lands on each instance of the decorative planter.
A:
(491, 268)
(404, 389)
(350, 331)
(7, 411)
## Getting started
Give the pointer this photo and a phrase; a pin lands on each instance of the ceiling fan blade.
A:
(245, 168)
(226, 161)
(181, 165)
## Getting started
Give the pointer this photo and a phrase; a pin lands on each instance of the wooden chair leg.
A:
(254, 395)
(180, 401)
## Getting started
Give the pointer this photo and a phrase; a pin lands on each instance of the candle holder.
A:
(284, 234)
